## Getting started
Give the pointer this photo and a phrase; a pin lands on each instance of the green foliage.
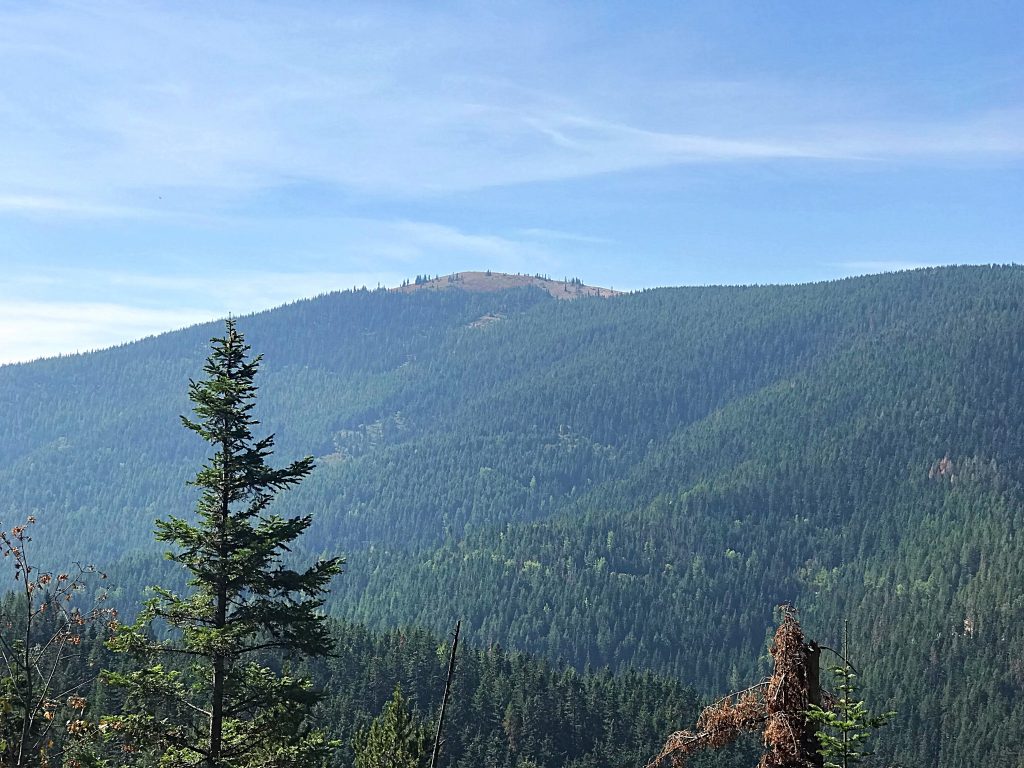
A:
(395, 739)
(845, 727)
(855, 448)
(505, 707)
(223, 708)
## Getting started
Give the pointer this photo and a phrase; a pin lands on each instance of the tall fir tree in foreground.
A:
(204, 696)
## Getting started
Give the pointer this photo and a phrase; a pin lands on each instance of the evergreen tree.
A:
(206, 696)
(844, 728)
(395, 739)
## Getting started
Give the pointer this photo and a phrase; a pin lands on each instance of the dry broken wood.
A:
(775, 707)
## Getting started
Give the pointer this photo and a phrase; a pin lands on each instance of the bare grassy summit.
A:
(499, 281)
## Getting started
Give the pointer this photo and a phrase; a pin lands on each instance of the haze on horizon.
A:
(167, 163)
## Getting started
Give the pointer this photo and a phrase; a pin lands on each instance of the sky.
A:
(166, 163)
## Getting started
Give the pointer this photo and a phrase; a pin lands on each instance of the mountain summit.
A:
(569, 288)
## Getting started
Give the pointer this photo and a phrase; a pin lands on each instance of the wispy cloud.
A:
(557, 235)
(33, 329)
(35, 204)
(102, 102)
(429, 236)
(68, 308)
(993, 135)
(240, 292)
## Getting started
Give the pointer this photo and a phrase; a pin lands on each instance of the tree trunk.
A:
(435, 754)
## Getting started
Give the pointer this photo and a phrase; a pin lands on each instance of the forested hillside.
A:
(507, 709)
(633, 482)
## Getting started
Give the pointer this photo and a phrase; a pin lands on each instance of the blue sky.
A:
(167, 163)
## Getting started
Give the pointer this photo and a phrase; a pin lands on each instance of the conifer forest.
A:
(720, 527)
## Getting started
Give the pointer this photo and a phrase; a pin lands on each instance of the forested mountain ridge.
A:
(634, 481)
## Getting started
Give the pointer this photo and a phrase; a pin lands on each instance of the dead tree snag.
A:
(776, 707)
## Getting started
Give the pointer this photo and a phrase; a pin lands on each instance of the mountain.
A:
(634, 481)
